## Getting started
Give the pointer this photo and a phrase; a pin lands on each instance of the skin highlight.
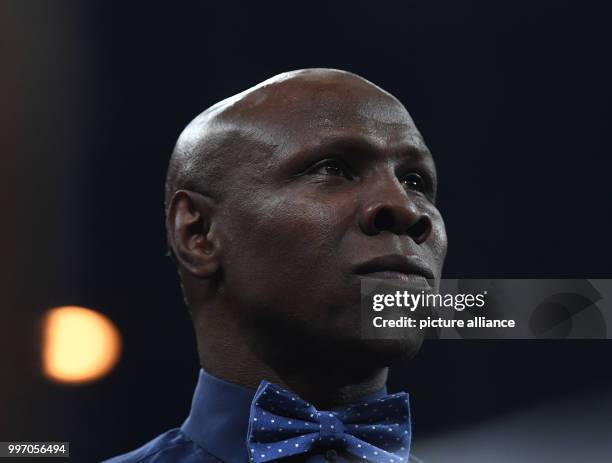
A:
(276, 199)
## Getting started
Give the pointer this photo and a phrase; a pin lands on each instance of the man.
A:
(279, 202)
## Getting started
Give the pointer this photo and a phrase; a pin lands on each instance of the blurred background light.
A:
(79, 345)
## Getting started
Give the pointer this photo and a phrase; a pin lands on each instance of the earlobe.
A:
(190, 226)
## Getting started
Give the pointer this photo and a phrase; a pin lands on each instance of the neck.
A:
(315, 374)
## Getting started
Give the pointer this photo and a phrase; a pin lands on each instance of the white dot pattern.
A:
(282, 425)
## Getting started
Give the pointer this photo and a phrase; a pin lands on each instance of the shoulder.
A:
(171, 446)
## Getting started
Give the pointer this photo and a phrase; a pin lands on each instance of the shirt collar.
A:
(219, 417)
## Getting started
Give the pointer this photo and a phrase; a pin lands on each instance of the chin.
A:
(353, 349)
(383, 352)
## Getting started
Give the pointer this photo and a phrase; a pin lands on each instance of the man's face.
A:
(348, 181)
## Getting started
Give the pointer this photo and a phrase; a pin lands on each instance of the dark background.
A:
(513, 98)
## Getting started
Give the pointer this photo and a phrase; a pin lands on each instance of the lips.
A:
(395, 264)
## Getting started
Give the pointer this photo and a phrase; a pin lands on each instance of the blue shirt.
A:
(215, 430)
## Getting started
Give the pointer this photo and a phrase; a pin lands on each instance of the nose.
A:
(394, 212)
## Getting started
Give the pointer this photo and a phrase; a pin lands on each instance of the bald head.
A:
(246, 127)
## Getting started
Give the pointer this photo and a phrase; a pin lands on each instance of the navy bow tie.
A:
(282, 424)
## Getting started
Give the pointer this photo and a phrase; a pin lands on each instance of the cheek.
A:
(279, 248)
(438, 241)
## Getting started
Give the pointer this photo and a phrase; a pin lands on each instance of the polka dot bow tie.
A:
(282, 425)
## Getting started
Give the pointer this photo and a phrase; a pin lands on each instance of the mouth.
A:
(396, 267)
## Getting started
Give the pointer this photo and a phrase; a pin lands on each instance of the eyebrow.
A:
(362, 146)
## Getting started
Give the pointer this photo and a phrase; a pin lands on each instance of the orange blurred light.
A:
(79, 345)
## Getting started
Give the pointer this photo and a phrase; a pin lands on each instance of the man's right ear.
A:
(191, 233)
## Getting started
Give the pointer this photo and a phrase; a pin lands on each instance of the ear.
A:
(190, 227)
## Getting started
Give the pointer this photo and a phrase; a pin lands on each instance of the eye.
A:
(332, 168)
(414, 181)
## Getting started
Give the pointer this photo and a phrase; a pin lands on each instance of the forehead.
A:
(296, 114)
